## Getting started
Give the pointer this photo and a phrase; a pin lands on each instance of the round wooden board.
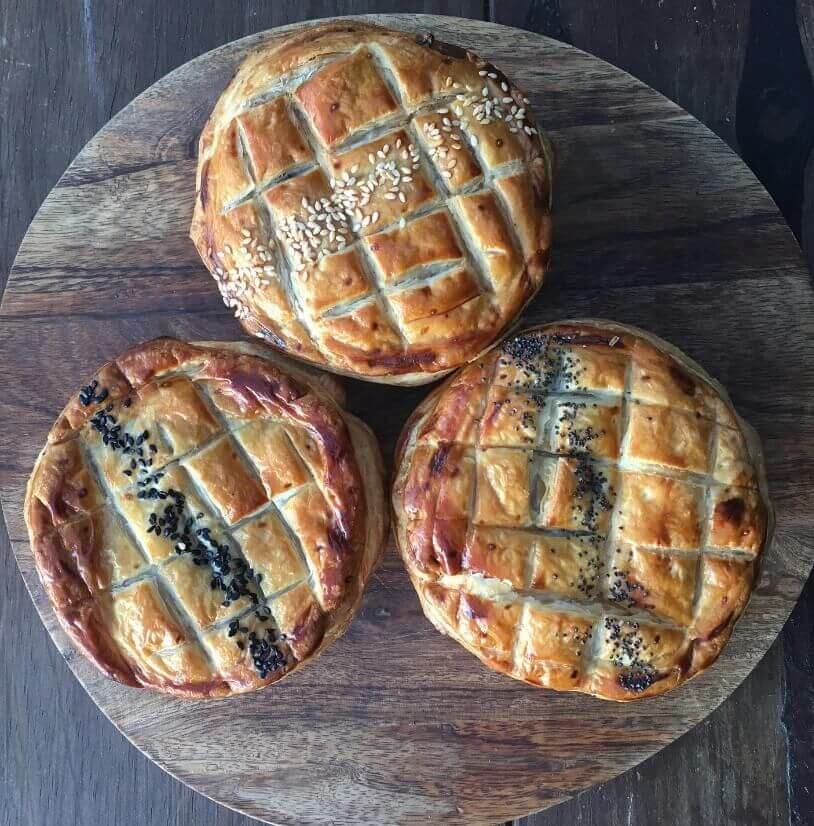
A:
(658, 224)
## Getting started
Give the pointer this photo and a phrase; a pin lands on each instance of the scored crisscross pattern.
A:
(192, 522)
(583, 510)
(372, 204)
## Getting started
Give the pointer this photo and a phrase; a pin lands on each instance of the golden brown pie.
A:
(371, 203)
(583, 510)
(204, 519)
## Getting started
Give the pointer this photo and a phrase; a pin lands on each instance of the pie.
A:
(582, 509)
(204, 519)
(371, 203)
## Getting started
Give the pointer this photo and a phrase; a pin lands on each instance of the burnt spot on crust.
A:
(403, 361)
(250, 387)
(684, 382)
(204, 192)
(439, 459)
(446, 49)
(719, 628)
(474, 608)
(448, 537)
(338, 540)
(731, 511)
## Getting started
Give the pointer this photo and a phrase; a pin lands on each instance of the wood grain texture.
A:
(676, 47)
(694, 772)
(653, 241)
(150, 801)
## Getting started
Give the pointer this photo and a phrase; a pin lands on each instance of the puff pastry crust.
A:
(582, 509)
(372, 203)
(200, 518)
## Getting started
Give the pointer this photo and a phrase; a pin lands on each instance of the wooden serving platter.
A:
(658, 224)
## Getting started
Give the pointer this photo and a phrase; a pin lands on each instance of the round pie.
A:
(582, 509)
(371, 202)
(200, 520)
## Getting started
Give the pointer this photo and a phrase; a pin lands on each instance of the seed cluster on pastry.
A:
(581, 509)
(199, 520)
(372, 204)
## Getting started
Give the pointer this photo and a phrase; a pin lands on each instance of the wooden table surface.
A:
(740, 67)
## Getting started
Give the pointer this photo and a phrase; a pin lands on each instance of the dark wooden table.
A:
(741, 66)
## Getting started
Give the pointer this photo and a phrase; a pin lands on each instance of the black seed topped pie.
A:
(372, 204)
(200, 519)
(582, 509)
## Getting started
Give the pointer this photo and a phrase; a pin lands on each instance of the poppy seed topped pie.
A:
(203, 519)
(582, 509)
(372, 203)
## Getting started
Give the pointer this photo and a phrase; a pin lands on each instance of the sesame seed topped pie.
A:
(200, 520)
(582, 509)
(373, 204)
